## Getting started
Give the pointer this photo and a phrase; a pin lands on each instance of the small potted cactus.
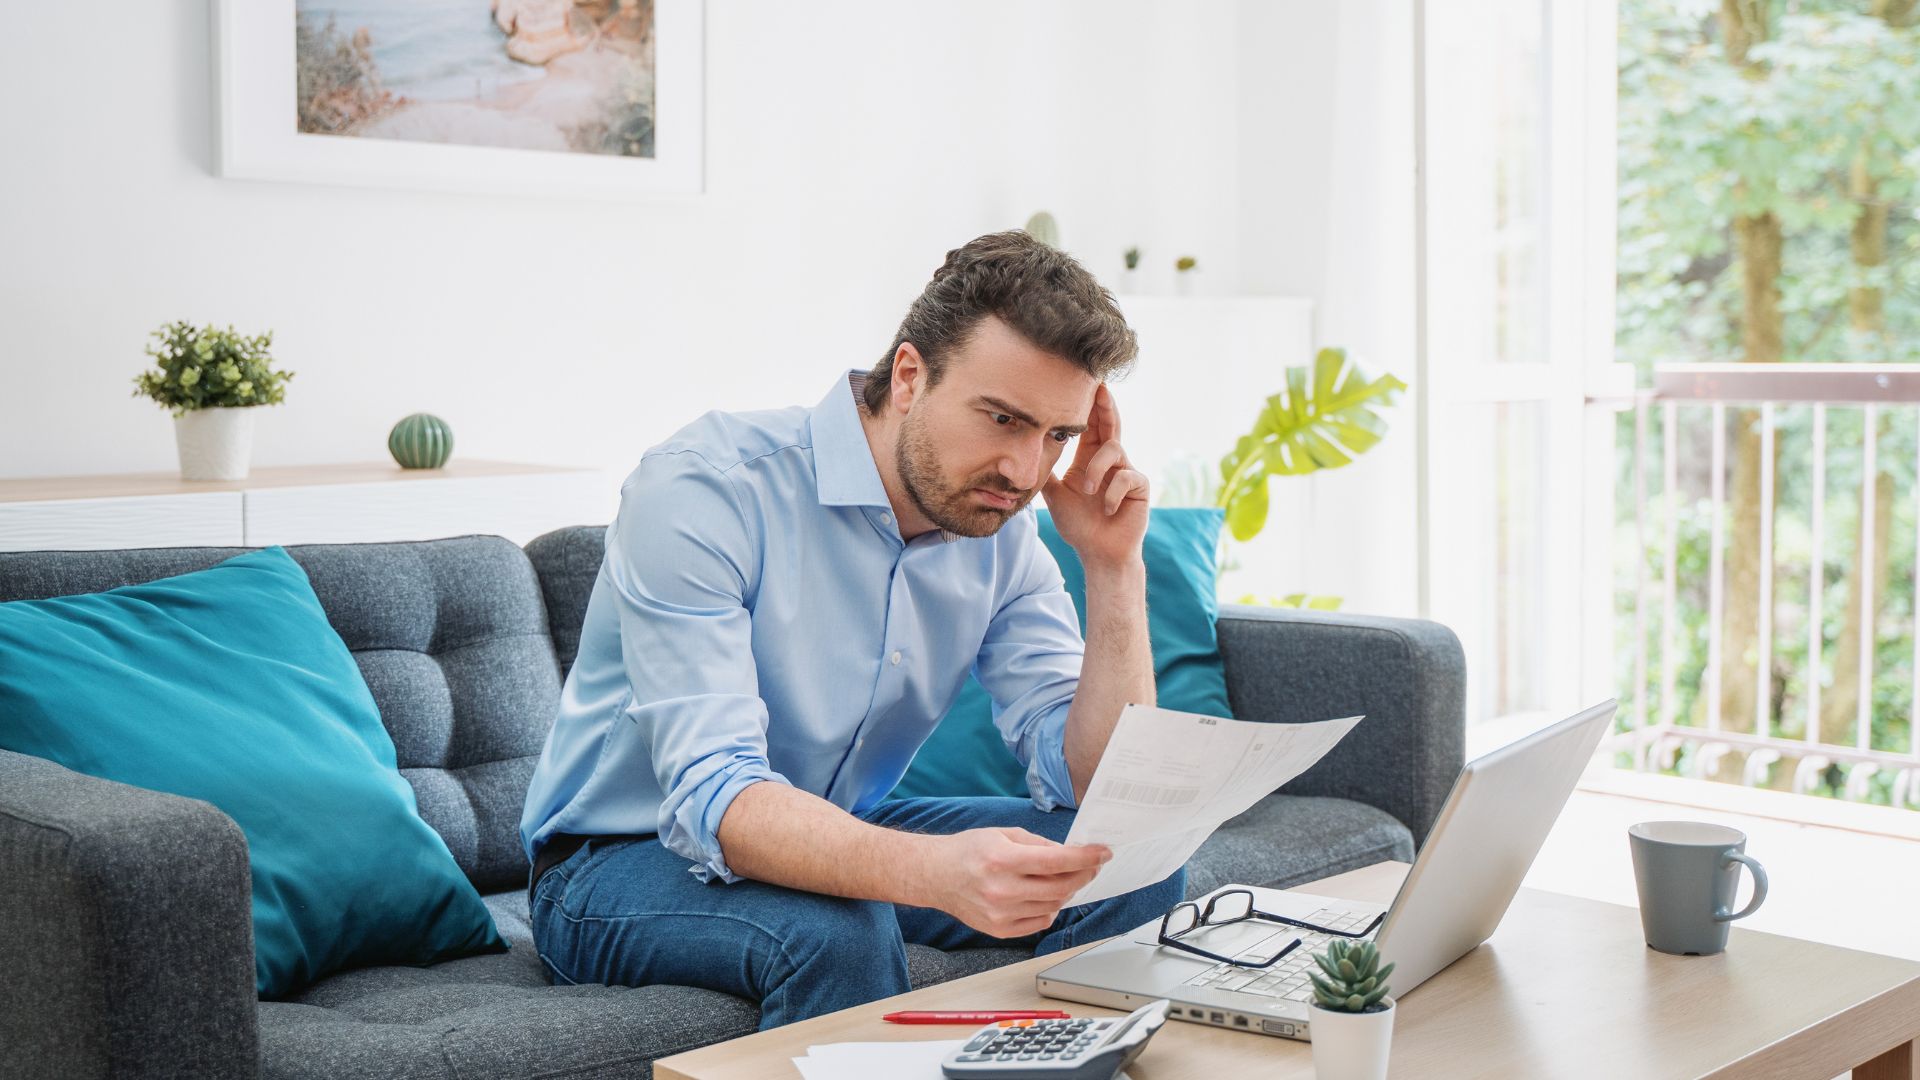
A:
(1043, 228)
(1184, 268)
(1130, 277)
(1351, 1016)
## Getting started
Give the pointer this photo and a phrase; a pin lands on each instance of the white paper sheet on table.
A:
(878, 1060)
(1168, 779)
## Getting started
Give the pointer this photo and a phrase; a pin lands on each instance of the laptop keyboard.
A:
(1286, 980)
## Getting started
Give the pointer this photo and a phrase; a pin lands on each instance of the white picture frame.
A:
(256, 135)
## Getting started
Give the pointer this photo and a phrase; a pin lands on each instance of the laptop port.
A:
(1218, 1018)
(1239, 1021)
(1277, 1027)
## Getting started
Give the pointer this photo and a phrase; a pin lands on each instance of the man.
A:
(789, 602)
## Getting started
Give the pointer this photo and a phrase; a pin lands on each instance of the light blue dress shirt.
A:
(758, 618)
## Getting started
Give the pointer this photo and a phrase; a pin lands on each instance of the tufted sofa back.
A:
(568, 562)
(452, 638)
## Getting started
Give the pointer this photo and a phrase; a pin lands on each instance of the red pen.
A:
(973, 1017)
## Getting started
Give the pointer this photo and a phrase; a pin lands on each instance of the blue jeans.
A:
(626, 912)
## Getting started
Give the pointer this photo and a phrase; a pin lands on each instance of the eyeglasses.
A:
(1232, 906)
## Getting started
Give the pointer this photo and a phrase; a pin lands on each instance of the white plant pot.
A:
(1351, 1046)
(215, 444)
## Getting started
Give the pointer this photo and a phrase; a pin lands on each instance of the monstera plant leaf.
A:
(1304, 428)
(1294, 600)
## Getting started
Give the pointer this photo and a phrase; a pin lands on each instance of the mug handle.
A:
(1759, 887)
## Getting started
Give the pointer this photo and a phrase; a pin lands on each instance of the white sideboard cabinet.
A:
(302, 504)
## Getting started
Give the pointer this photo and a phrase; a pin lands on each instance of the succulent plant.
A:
(1185, 263)
(1354, 982)
(1133, 258)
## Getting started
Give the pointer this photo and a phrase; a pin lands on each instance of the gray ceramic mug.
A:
(1687, 872)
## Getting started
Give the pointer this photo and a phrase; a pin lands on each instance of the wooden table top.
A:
(1566, 987)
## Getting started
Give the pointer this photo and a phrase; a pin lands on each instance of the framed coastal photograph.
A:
(598, 98)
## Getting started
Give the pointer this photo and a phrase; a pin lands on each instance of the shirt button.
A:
(886, 519)
(895, 658)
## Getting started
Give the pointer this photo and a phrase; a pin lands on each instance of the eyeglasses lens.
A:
(1181, 919)
(1229, 907)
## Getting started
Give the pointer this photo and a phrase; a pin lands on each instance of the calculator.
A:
(1087, 1048)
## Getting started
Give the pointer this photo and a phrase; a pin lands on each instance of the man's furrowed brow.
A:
(1002, 407)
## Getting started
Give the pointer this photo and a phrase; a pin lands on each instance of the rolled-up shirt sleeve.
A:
(1029, 664)
(683, 563)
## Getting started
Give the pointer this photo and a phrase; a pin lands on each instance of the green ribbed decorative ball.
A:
(421, 441)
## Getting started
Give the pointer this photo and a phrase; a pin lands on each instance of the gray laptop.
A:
(1496, 817)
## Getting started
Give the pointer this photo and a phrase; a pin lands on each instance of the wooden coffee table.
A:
(1565, 988)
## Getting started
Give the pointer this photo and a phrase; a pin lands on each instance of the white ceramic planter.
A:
(1351, 1046)
(215, 444)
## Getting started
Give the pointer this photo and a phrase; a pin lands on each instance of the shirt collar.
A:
(843, 464)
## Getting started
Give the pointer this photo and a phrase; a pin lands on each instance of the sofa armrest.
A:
(126, 930)
(1408, 676)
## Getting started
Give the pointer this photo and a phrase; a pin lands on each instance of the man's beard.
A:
(951, 508)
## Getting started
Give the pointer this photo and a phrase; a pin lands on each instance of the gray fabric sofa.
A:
(125, 933)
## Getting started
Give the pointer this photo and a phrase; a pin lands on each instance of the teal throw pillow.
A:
(966, 756)
(229, 685)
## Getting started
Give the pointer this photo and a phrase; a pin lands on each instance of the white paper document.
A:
(1168, 779)
(879, 1060)
(876, 1060)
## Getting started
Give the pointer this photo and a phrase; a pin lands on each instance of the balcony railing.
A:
(1789, 679)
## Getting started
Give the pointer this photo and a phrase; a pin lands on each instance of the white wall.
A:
(1327, 187)
(849, 144)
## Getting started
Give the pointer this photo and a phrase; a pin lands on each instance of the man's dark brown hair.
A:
(1039, 291)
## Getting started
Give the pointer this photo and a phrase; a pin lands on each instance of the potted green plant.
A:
(1183, 271)
(1350, 1020)
(212, 379)
(1311, 425)
(1043, 228)
(1130, 277)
